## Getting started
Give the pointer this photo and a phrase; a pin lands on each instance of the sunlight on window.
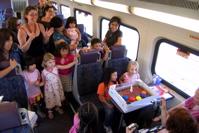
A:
(86, 19)
(177, 70)
(130, 38)
(65, 10)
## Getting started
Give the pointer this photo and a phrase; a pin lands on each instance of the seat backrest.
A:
(7, 15)
(87, 74)
(83, 32)
(9, 116)
(3, 24)
(60, 15)
(117, 58)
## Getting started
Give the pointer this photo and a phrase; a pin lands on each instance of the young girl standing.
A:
(109, 79)
(32, 83)
(53, 89)
(64, 57)
(73, 32)
(132, 73)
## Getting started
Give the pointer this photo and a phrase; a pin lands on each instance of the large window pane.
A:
(86, 19)
(65, 10)
(130, 38)
(177, 70)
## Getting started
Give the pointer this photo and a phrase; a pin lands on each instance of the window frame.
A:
(61, 9)
(156, 50)
(130, 27)
(75, 9)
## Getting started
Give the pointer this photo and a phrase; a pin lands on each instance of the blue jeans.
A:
(108, 114)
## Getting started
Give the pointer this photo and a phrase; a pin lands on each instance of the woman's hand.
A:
(49, 32)
(31, 36)
(130, 130)
(13, 63)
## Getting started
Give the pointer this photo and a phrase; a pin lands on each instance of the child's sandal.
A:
(41, 114)
(50, 114)
(60, 111)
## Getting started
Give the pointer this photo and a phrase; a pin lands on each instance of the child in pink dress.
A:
(32, 82)
(65, 57)
(131, 74)
(72, 31)
(53, 89)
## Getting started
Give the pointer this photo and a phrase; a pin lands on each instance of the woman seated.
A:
(178, 120)
(191, 104)
(58, 35)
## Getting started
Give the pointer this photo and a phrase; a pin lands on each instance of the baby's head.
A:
(133, 67)
(96, 44)
(62, 50)
(48, 60)
(29, 63)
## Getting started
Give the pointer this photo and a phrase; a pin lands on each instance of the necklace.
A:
(33, 27)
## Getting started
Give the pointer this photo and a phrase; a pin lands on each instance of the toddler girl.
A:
(64, 57)
(73, 32)
(110, 77)
(32, 78)
(132, 73)
(53, 90)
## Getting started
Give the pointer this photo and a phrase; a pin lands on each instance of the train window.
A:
(130, 38)
(65, 10)
(87, 19)
(178, 66)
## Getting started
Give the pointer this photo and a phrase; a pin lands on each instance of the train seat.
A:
(60, 15)
(11, 119)
(83, 32)
(8, 10)
(87, 76)
(7, 15)
(117, 58)
(3, 24)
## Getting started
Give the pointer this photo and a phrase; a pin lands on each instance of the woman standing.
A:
(32, 36)
(113, 35)
(48, 14)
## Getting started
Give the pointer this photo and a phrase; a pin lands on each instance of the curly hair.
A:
(26, 11)
(62, 45)
(181, 121)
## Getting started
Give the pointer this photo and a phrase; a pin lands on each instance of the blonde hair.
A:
(47, 57)
(135, 63)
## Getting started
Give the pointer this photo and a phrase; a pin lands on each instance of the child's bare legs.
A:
(39, 112)
(50, 114)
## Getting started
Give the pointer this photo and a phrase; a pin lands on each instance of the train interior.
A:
(163, 36)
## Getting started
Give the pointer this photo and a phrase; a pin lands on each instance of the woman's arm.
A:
(104, 43)
(25, 44)
(106, 54)
(13, 64)
(79, 34)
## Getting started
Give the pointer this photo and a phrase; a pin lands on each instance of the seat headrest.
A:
(60, 15)
(118, 51)
(9, 116)
(91, 56)
(80, 27)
